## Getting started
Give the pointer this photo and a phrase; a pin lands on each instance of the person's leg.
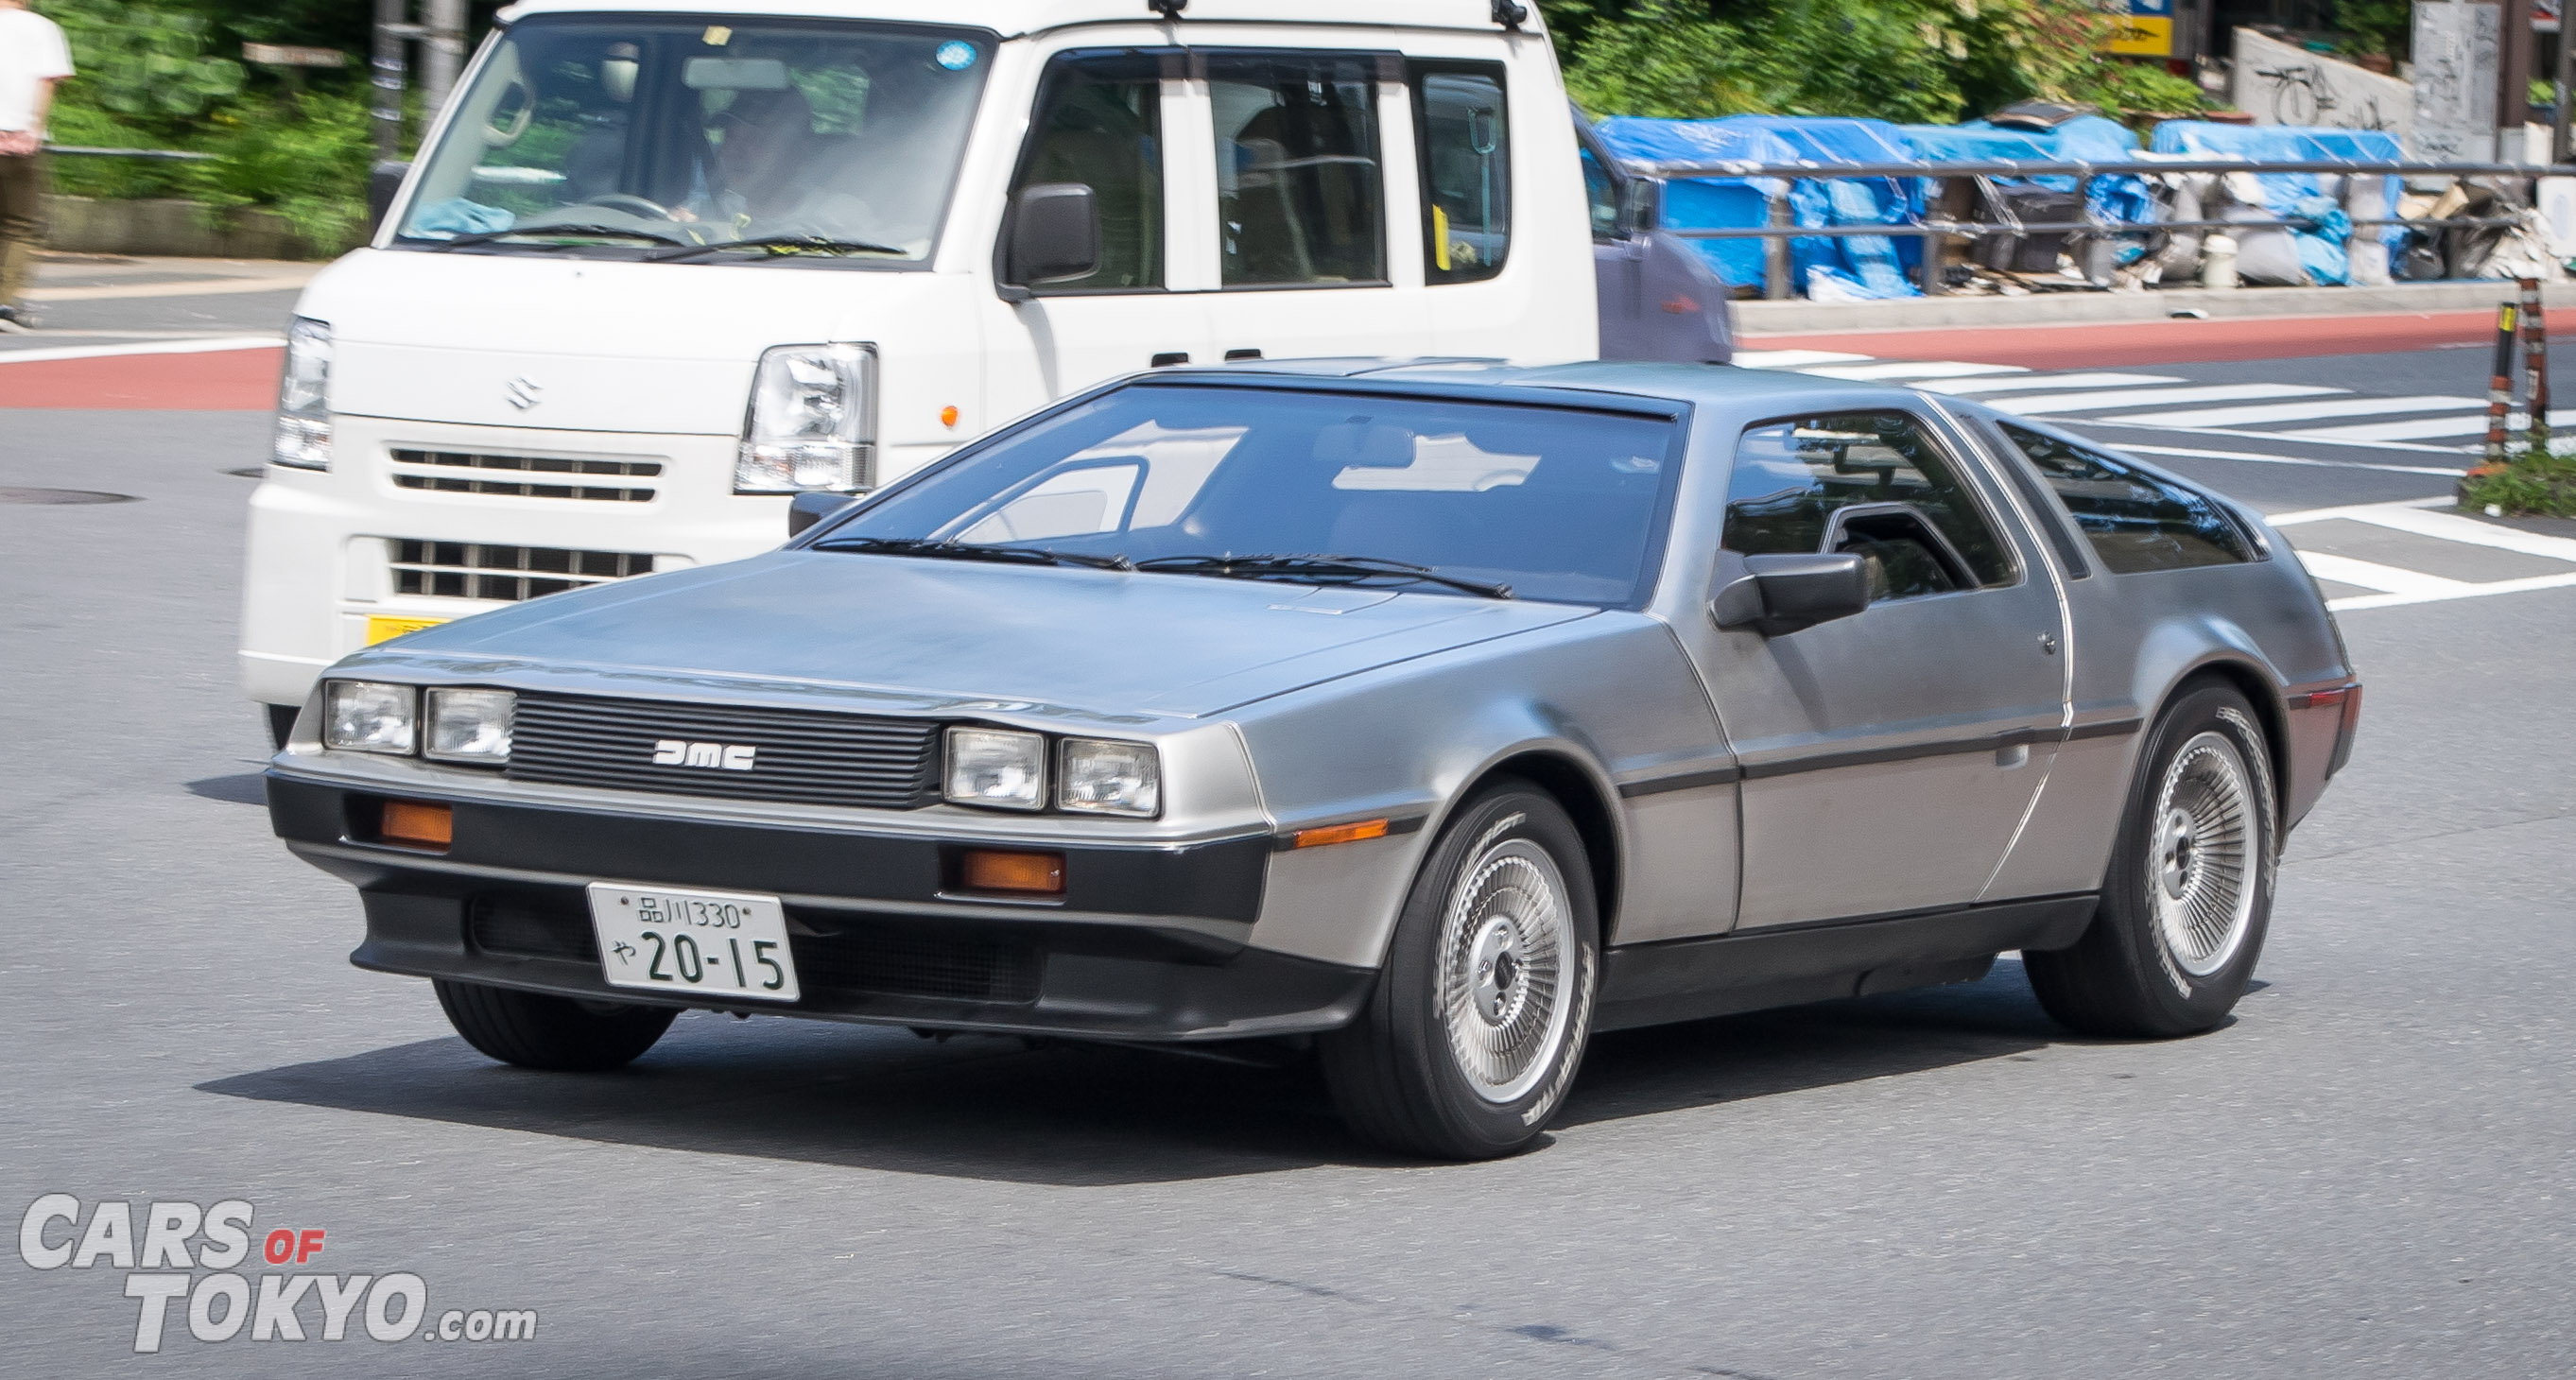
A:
(22, 223)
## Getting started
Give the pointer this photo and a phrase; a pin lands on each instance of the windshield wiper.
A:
(964, 551)
(1351, 568)
(488, 236)
(780, 244)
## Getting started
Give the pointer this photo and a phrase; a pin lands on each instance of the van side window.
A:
(1871, 483)
(1099, 123)
(2135, 520)
(1466, 171)
(1601, 192)
(1299, 194)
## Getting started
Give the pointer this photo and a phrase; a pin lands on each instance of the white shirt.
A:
(31, 50)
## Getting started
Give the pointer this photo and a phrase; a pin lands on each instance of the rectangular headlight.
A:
(1103, 777)
(812, 423)
(470, 726)
(367, 716)
(993, 766)
(304, 397)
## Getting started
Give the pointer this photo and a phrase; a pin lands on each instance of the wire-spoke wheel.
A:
(1473, 1035)
(2188, 894)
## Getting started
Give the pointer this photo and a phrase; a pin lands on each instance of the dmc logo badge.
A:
(524, 392)
(671, 752)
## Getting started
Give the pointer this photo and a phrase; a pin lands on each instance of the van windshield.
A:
(734, 137)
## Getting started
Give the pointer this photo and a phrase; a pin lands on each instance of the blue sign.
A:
(957, 56)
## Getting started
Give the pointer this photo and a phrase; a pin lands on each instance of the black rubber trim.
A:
(1685, 781)
(1688, 979)
(2106, 728)
(1217, 881)
(1869, 757)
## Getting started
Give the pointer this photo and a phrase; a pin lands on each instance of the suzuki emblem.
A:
(672, 752)
(524, 392)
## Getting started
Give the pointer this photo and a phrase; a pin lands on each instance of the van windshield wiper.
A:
(779, 244)
(488, 236)
(1346, 568)
(967, 551)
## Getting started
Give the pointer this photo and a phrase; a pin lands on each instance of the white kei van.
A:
(662, 265)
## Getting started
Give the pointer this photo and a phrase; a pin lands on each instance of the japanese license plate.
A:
(665, 939)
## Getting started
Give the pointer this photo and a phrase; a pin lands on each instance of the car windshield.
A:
(1564, 504)
(755, 138)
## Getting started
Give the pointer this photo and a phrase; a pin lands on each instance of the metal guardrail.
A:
(2097, 229)
(153, 155)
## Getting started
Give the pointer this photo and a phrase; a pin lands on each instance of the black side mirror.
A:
(1055, 234)
(384, 181)
(806, 509)
(1778, 595)
(1641, 205)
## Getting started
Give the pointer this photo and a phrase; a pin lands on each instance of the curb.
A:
(2078, 308)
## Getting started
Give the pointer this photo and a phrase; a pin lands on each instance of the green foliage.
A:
(2377, 26)
(1903, 60)
(144, 62)
(2538, 483)
(306, 159)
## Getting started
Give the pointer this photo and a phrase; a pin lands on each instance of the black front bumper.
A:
(505, 906)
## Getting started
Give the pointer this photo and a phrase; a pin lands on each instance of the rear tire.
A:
(535, 1031)
(1470, 1040)
(2188, 896)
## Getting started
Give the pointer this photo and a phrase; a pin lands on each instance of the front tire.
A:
(1480, 1015)
(2188, 897)
(535, 1031)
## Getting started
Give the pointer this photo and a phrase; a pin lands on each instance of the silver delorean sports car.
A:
(1434, 715)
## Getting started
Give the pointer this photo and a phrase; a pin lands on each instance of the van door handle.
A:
(1168, 358)
(1233, 355)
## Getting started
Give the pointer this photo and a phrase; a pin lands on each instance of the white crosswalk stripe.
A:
(2392, 586)
(2437, 424)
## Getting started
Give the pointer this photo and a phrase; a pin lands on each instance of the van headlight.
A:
(369, 716)
(470, 726)
(812, 423)
(304, 397)
(1103, 777)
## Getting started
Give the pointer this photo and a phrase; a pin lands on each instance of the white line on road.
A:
(1937, 369)
(192, 287)
(2031, 383)
(2344, 570)
(2305, 515)
(2425, 428)
(2219, 392)
(153, 347)
(2453, 527)
(2188, 453)
(2464, 591)
(2313, 410)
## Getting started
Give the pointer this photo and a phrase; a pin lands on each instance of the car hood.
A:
(907, 633)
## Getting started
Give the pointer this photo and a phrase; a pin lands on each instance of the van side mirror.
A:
(1778, 595)
(384, 182)
(1055, 234)
(806, 509)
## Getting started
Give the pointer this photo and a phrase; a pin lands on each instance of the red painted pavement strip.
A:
(2155, 342)
(211, 381)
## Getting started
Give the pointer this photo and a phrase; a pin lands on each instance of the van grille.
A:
(526, 476)
(472, 570)
(803, 756)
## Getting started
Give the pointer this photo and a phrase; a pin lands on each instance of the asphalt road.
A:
(2367, 1173)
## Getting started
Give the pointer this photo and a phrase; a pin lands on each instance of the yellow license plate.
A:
(383, 629)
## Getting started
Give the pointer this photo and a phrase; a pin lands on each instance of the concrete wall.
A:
(170, 227)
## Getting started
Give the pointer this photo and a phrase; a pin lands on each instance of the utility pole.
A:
(2513, 79)
(442, 53)
(387, 78)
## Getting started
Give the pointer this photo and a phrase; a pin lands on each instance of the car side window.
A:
(2136, 521)
(1466, 171)
(1299, 194)
(1099, 123)
(1601, 192)
(1871, 483)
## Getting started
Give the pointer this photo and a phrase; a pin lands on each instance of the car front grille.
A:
(525, 476)
(919, 959)
(475, 570)
(800, 756)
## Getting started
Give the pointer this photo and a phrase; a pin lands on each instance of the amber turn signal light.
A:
(417, 824)
(1026, 874)
(1340, 833)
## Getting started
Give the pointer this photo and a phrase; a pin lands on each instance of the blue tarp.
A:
(1856, 265)
(2293, 194)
